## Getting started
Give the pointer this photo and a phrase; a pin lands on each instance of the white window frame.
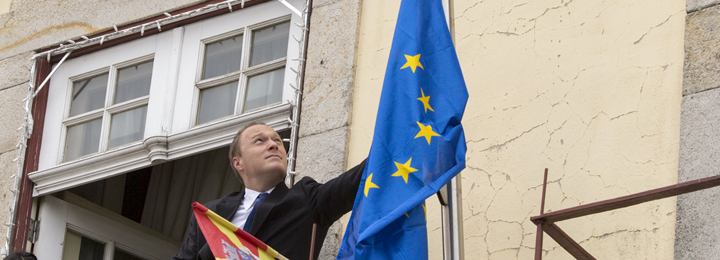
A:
(92, 221)
(243, 73)
(108, 110)
(170, 130)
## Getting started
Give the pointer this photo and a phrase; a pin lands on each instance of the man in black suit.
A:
(284, 217)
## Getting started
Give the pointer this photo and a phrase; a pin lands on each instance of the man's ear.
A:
(238, 164)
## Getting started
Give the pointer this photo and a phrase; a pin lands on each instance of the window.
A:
(130, 128)
(235, 77)
(166, 96)
(107, 108)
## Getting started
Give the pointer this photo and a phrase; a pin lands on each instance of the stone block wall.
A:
(697, 232)
(14, 76)
(327, 98)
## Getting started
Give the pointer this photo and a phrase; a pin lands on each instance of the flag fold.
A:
(226, 241)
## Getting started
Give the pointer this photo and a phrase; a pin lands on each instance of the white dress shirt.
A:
(246, 207)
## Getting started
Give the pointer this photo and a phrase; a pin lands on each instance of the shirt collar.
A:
(251, 195)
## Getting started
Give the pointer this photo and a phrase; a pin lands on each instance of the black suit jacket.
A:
(284, 219)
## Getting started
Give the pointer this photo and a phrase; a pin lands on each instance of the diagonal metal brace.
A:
(567, 242)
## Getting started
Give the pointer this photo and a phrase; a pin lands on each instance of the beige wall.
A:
(4, 6)
(589, 89)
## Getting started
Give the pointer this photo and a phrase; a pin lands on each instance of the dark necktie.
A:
(251, 217)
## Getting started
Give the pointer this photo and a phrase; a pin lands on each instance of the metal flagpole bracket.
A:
(292, 8)
(51, 73)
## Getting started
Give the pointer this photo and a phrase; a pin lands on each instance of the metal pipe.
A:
(51, 73)
(298, 88)
(539, 233)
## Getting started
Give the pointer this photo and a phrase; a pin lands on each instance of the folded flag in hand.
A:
(226, 241)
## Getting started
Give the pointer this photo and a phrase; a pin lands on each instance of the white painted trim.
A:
(57, 216)
(104, 131)
(271, 22)
(170, 90)
(219, 133)
(128, 105)
(110, 86)
(244, 63)
(265, 67)
(82, 118)
(219, 80)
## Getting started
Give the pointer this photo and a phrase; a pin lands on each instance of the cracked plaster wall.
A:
(590, 89)
(697, 230)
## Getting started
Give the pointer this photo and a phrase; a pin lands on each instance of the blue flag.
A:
(418, 144)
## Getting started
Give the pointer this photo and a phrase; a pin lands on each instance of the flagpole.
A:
(312, 242)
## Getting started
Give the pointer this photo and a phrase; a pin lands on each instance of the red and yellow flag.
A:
(226, 241)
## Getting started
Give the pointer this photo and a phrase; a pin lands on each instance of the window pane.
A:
(88, 94)
(82, 139)
(264, 89)
(269, 43)
(222, 57)
(217, 102)
(123, 255)
(127, 127)
(133, 82)
(79, 247)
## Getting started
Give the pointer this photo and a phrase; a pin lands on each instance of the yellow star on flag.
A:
(426, 101)
(413, 62)
(426, 131)
(369, 184)
(404, 170)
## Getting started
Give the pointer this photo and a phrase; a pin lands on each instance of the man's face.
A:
(263, 155)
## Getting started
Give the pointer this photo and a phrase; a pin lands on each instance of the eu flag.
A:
(418, 144)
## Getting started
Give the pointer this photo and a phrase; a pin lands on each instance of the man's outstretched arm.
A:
(333, 199)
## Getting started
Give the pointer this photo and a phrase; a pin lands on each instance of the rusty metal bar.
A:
(312, 241)
(539, 241)
(629, 200)
(539, 235)
(567, 242)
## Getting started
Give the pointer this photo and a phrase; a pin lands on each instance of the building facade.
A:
(696, 236)
(599, 92)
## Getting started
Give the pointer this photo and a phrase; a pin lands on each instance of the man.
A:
(283, 218)
(20, 256)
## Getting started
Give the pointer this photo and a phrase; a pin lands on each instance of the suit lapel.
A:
(229, 205)
(226, 208)
(266, 205)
